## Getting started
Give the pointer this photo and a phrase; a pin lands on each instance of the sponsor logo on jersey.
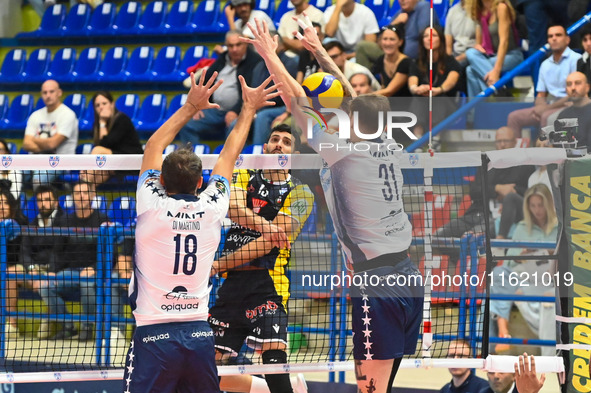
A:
(163, 336)
(179, 307)
(239, 161)
(202, 334)
(221, 186)
(217, 322)
(282, 160)
(54, 161)
(268, 307)
(299, 207)
(413, 159)
(258, 204)
(188, 216)
(6, 161)
(101, 161)
(179, 293)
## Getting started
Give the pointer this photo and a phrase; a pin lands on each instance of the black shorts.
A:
(248, 308)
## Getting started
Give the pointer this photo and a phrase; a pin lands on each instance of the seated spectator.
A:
(307, 64)
(551, 86)
(361, 83)
(350, 23)
(287, 25)
(239, 59)
(337, 53)
(393, 66)
(500, 383)
(52, 129)
(497, 44)
(577, 89)
(14, 177)
(464, 380)
(583, 64)
(77, 261)
(10, 210)
(414, 15)
(446, 74)
(113, 133)
(245, 13)
(460, 32)
(539, 224)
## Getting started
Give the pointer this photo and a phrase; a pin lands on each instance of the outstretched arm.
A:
(253, 99)
(197, 99)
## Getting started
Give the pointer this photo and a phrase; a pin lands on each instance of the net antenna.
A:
(431, 78)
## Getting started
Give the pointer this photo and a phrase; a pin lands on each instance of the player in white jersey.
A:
(363, 187)
(177, 235)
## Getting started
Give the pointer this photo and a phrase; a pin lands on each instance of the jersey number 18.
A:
(190, 255)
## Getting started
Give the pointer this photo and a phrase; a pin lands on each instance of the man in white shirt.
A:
(350, 23)
(244, 10)
(287, 25)
(51, 130)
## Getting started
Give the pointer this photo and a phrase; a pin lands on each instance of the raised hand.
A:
(263, 43)
(199, 94)
(309, 39)
(261, 96)
(526, 380)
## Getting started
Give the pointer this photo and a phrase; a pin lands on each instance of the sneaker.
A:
(67, 332)
(86, 333)
(11, 331)
(43, 331)
(298, 384)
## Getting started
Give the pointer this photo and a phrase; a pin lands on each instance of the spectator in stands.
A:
(463, 380)
(539, 224)
(361, 83)
(77, 261)
(500, 383)
(414, 15)
(393, 67)
(287, 25)
(497, 43)
(446, 74)
(584, 64)
(460, 32)
(577, 88)
(348, 67)
(551, 84)
(307, 64)
(245, 12)
(10, 210)
(267, 117)
(40, 253)
(113, 133)
(350, 23)
(52, 129)
(10, 175)
(40, 5)
(239, 59)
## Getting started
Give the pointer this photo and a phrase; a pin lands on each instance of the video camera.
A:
(564, 134)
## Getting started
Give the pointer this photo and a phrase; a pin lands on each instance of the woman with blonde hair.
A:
(497, 43)
(539, 224)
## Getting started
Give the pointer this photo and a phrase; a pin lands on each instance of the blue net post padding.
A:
(9, 229)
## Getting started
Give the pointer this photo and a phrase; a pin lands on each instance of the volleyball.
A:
(323, 90)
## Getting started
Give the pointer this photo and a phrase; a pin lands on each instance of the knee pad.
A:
(274, 356)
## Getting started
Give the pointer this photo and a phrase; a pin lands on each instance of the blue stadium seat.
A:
(206, 18)
(62, 65)
(322, 5)
(192, 56)
(76, 21)
(200, 149)
(101, 20)
(166, 65)
(18, 113)
(87, 120)
(140, 62)
(84, 148)
(113, 64)
(253, 149)
(3, 106)
(151, 115)
(122, 210)
(284, 6)
(441, 7)
(40, 104)
(128, 104)
(152, 19)
(31, 210)
(267, 6)
(51, 23)
(77, 103)
(179, 18)
(176, 102)
(12, 149)
(13, 66)
(127, 19)
(380, 9)
(170, 148)
(218, 149)
(37, 66)
(87, 65)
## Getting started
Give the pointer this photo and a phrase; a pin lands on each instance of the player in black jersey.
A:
(251, 301)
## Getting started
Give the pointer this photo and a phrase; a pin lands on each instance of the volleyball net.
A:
(64, 280)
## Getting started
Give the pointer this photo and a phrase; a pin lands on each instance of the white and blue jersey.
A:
(176, 240)
(363, 187)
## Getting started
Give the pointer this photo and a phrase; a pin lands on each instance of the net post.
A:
(333, 319)
(462, 312)
(472, 295)
(489, 260)
(3, 291)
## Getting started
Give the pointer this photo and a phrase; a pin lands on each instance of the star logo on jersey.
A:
(6, 161)
(101, 161)
(239, 161)
(54, 161)
(282, 160)
(413, 159)
(213, 198)
(258, 204)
